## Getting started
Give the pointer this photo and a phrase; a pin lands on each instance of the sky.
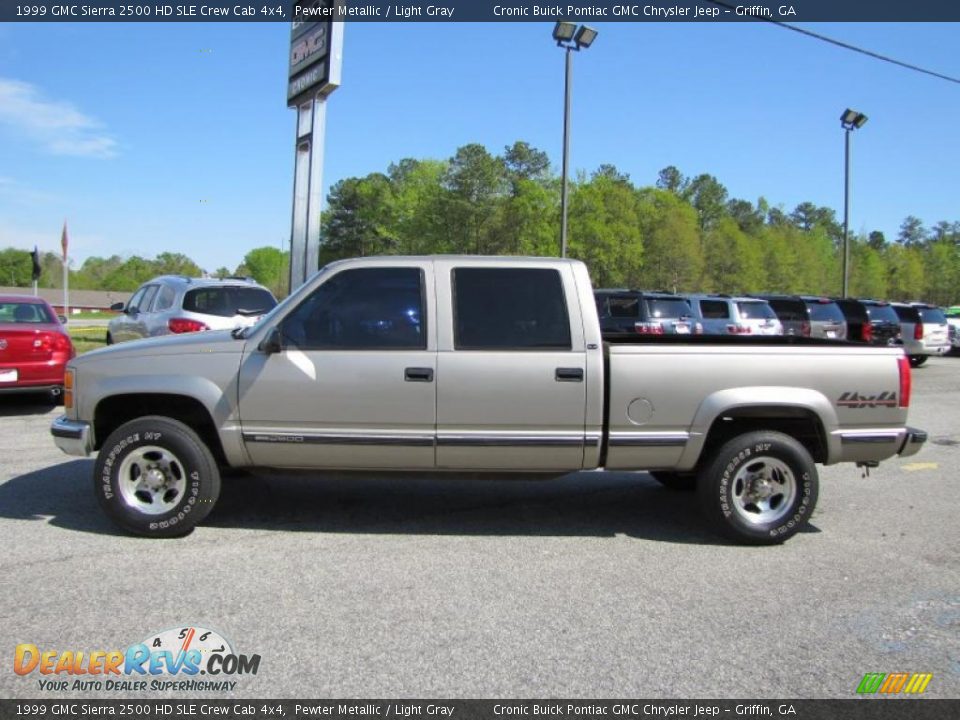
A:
(155, 137)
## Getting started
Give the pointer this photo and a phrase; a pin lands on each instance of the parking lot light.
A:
(850, 120)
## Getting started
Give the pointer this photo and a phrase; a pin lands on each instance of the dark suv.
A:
(870, 321)
(808, 316)
(644, 312)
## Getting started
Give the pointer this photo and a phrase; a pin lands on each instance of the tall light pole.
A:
(849, 121)
(570, 38)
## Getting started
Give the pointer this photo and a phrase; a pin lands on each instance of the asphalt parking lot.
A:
(590, 586)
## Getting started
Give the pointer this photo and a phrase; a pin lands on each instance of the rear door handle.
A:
(569, 375)
(418, 374)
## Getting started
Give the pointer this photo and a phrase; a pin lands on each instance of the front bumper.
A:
(912, 443)
(72, 436)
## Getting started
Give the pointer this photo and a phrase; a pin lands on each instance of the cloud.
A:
(58, 126)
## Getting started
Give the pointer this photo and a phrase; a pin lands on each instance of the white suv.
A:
(177, 304)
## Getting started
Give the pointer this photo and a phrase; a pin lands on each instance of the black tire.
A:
(55, 396)
(917, 360)
(759, 488)
(109, 339)
(167, 453)
(678, 482)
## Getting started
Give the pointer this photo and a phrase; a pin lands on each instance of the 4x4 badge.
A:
(858, 401)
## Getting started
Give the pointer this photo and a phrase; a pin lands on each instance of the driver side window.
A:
(361, 309)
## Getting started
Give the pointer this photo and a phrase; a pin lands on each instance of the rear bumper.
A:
(914, 440)
(72, 436)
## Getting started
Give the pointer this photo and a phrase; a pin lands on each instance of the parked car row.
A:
(920, 328)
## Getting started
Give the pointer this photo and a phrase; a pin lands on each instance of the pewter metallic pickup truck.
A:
(478, 364)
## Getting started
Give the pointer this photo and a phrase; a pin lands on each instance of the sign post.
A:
(316, 52)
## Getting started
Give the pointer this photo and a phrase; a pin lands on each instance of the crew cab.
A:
(453, 363)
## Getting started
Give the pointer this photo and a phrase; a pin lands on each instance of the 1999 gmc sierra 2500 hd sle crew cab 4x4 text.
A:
(477, 364)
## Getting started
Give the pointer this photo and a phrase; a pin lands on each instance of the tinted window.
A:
(165, 298)
(148, 298)
(906, 314)
(789, 310)
(882, 313)
(825, 312)
(714, 309)
(509, 308)
(667, 307)
(623, 306)
(228, 300)
(13, 312)
(756, 311)
(362, 309)
(933, 315)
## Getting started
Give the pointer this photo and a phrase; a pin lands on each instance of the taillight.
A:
(805, 329)
(698, 328)
(866, 333)
(903, 363)
(918, 331)
(739, 329)
(53, 343)
(183, 325)
(646, 328)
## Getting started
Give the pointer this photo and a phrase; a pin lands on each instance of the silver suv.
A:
(177, 304)
(924, 331)
(725, 315)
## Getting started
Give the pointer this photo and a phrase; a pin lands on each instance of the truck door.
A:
(353, 383)
(511, 367)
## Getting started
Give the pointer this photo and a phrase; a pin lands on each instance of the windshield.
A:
(825, 312)
(756, 311)
(14, 312)
(932, 315)
(667, 307)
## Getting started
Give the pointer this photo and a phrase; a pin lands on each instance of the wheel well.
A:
(112, 412)
(802, 425)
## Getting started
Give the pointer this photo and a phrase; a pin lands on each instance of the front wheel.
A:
(154, 476)
(759, 488)
(917, 360)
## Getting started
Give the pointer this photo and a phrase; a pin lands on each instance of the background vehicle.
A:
(725, 315)
(173, 304)
(500, 366)
(644, 312)
(34, 346)
(808, 316)
(924, 331)
(870, 321)
(953, 326)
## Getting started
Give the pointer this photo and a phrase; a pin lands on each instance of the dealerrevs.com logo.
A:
(170, 660)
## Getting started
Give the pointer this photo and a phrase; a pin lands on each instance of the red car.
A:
(34, 347)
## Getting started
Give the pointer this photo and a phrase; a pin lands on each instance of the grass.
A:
(89, 315)
(86, 339)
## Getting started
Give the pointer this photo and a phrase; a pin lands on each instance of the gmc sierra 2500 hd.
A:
(477, 364)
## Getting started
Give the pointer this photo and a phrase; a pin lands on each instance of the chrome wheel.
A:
(764, 490)
(152, 480)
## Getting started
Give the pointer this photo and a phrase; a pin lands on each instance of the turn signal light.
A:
(183, 325)
(68, 390)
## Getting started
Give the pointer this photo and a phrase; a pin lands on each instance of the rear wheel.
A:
(109, 339)
(759, 488)
(154, 476)
(679, 482)
(917, 360)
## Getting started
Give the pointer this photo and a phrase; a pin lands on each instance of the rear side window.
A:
(623, 306)
(756, 311)
(882, 313)
(667, 308)
(148, 299)
(228, 301)
(362, 309)
(509, 309)
(165, 298)
(789, 310)
(825, 312)
(714, 310)
(906, 314)
(933, 315)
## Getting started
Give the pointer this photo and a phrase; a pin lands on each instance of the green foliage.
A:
(269, 266)
(16, 268)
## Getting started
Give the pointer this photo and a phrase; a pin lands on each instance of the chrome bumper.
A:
(912, 442)
(72, 436)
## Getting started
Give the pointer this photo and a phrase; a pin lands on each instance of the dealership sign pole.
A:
(316, 50)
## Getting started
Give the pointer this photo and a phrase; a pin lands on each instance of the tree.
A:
(911, 232)
(672, 180)
(708, 198)
(671, 242)
(749, 219)
(268, 266)
(877, 240)
(16, 268)
(475, 181)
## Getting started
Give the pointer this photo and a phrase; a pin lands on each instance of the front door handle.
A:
(418, 374)
(569, 375)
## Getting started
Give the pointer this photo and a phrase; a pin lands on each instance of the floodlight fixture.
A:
(585, 36)
(852, 120)
(564, 31)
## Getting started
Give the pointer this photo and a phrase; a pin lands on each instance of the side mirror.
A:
(272, 343)
(117, 307)
(62, 319)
